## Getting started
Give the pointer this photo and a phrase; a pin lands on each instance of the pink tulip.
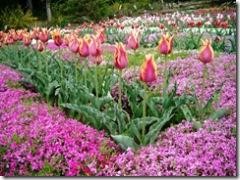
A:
(165, 44)
(83, 47)
(206, 54)
(132, 41)
(120, 57)
(148, 71)
(73, 45)
(43, 35)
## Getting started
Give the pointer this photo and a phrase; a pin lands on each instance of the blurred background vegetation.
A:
(25, 13)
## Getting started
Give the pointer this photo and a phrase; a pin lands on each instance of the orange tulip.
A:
(165, 44)
(120, 56)
(206, 54)
(43, 35)
(148, 71)
(83, 47)
(27, 39)
(56, 36)
(132, 41)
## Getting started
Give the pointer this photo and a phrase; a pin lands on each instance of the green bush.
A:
(16, 18)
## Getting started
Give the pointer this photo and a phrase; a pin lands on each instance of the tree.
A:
(48, 9)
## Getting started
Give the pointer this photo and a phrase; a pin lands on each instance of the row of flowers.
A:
(178, 20)
(91, 45)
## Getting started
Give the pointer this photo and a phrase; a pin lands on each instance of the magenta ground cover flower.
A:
(36, 139)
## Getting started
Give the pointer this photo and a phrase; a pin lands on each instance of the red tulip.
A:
(120, 56)
(199, 24)
(34, 32)
(20, 34)
(94, 47)
(161, 26)
(43, 35)
(8, 39)
(13, 34)
(148, 71)
(83, 47)
(57, 37)
(165, 44)
(206, 54)
(132, 41)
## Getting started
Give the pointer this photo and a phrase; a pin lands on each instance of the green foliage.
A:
(72, 86)
(16, 18)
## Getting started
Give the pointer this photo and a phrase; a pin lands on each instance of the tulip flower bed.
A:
(74, 104)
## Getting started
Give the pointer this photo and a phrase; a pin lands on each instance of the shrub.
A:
(16, 18)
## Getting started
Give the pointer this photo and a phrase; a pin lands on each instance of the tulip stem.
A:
(165, 65)
(144, 108)
(120, 90)
(96, 81)
(205, 74)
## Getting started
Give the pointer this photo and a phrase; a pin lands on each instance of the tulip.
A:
(43, 35)
(34, 33)
(73, 45)
(120, 62)
(83, 47)
(165, 44)
(132, 41)
(13, 34)
(101, 36)
(20, 34)
(27, 39)
(8, 39)
(206, 54)
(40, 46)
(56, 36)
(120, 57)
(93, 47)
(148, 71)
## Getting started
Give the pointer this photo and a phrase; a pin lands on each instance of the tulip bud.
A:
(120, 56)
(94, 47)
(165, 44)
(148, 71)
(206, 54)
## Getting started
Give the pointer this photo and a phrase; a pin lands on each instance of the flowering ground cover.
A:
(73, 103)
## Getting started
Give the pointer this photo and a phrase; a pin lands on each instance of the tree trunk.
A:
(48, 8)
(30, 5)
